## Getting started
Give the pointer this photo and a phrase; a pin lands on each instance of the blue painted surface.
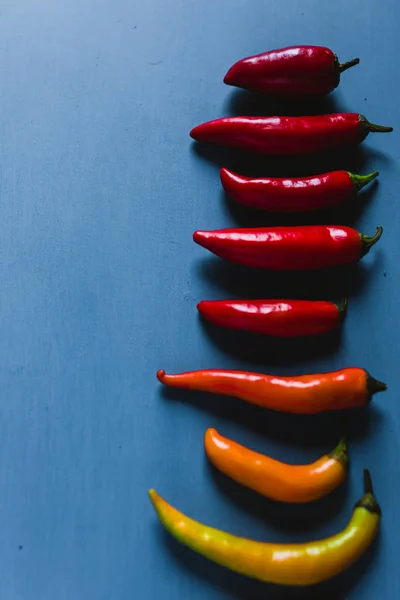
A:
(101, 189)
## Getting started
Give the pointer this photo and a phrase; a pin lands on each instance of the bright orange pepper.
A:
(307, 394)
(274, 479)
(285, 564)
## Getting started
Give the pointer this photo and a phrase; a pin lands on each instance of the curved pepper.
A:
(279, 481)
(281, 318)
(294, 71)
(289, 248)
(300, 394)
(285, 564)
(287, 135)
(294, 194)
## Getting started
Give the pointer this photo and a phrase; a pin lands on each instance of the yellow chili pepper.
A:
(285, 564)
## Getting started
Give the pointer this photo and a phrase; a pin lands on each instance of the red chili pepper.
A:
(294, 71)
(289, 248)
(281, 318)
(294, 194)
(287, 135)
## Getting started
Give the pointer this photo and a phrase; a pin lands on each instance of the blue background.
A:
(101, 189)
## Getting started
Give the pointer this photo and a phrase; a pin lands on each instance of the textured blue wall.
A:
(100, 191)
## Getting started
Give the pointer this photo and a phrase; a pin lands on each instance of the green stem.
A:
(361, 181)
(378, 128)
(342, 307)
(340, 453)
(368, 127)
(368, 501)
(347, 65)
(368, 241)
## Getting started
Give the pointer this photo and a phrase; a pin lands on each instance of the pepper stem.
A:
(347, 65)
(368, 488)
(342, 446)
(360, 181)
(371, 127)
(368, 501)
(374, 386)
(368, 241)
(340, 453)
(342, 307)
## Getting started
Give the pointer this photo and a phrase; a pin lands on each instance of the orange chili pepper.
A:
(285, 564)
(279, 481)
(306, 394)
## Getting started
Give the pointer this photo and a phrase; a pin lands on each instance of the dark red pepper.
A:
(282, 318)
(287, 135)
(289, 248)
(294, 71)
(294, 194)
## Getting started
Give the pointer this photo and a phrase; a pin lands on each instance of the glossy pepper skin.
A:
(295, 484)
(299, 194)
(285, 136)
(285, 564)
(300, 394)
(289, 248)
(279, 318)
(295, 71)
